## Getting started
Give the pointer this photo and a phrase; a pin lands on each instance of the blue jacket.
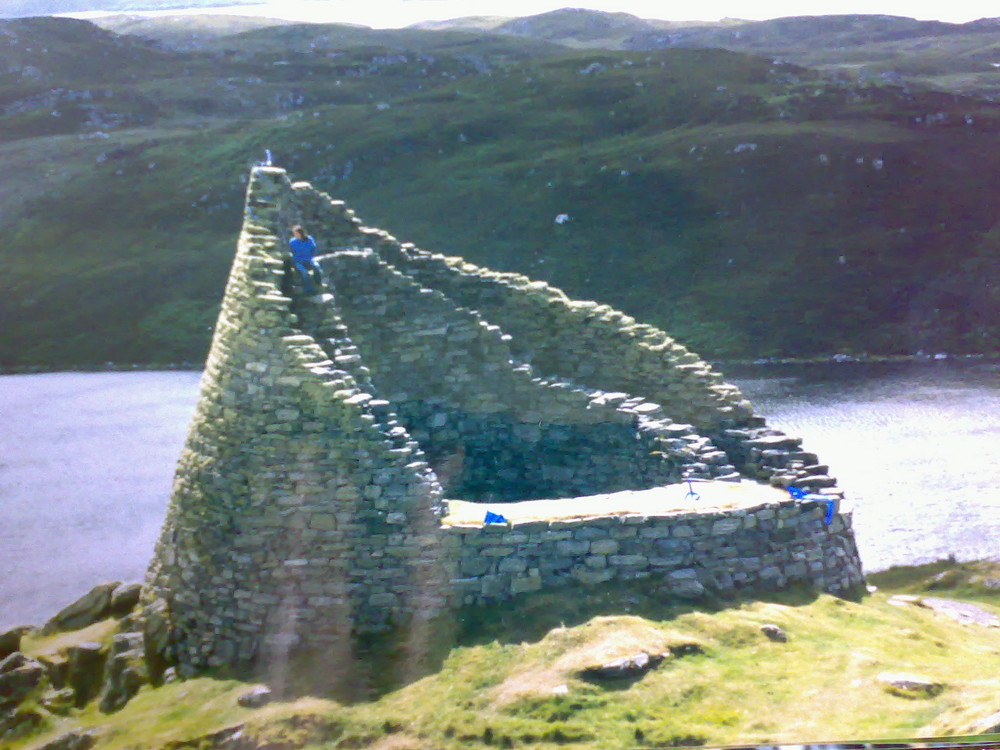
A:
(302, 250)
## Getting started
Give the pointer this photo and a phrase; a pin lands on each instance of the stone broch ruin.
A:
(310, 502)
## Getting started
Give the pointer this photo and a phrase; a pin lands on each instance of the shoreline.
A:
(830, 359)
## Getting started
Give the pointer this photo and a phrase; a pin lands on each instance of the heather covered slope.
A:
(750, 208)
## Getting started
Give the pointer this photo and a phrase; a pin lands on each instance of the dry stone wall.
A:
(586, 342)
(582, 340)
(682, 555)
(307, 509)
(298, 516)
(490, 427)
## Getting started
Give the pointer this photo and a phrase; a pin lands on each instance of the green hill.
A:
(951, 57)
(751, 208)
(577, 27)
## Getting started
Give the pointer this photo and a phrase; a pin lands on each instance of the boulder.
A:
(20, 681)
(10, 640)
(627, 667)
(92, 607)
(57, 666)
(125, 672)
(774, 633)
(58, 702)
(18, 721)
(124, 599)
(910, 685)
(13, 661)
(259, 696)
(85, 673)
(71, 741)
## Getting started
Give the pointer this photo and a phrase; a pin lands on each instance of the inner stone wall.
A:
(593, 346)
(580, 340)
(490, 428)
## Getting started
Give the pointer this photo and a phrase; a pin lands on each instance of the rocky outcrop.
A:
(111, 672)
(20, 676)
(10, 640)
(92, 607)
(85, 671)
(910, 685)
(625, 668)
(125, 672)
(114, 599)
(124, 599)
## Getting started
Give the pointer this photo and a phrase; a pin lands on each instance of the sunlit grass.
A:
(515, 679)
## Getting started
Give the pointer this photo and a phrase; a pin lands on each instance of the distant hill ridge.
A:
(581, 25)
(25, 8)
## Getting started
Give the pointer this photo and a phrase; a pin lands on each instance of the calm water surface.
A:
(86, 461)
(86, 464)
(916, 447)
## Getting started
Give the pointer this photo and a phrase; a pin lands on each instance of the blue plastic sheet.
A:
(494, 518)
(800, 494)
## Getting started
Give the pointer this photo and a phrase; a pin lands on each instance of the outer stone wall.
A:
(680, 554)
(301, 513)
(307, 506)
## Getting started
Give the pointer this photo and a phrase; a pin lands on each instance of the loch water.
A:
(86, 462)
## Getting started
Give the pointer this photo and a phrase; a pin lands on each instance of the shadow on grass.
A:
(528, 617)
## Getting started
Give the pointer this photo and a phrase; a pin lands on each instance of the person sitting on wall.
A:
(303, 248)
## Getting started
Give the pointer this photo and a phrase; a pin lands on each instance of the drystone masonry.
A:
(306, 515)
(681, 554)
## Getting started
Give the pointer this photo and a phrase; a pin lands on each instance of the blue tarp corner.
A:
(831, 505)
(492, 517)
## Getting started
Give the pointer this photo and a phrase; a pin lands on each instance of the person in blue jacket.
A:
(303, 249)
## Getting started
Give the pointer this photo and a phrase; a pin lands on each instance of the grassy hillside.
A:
(748, 207)
(518, 678)
(947, 56)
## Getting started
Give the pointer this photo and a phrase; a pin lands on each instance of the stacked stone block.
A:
(590, 343)
(298, 518)
(689, 554)
(491, 428)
